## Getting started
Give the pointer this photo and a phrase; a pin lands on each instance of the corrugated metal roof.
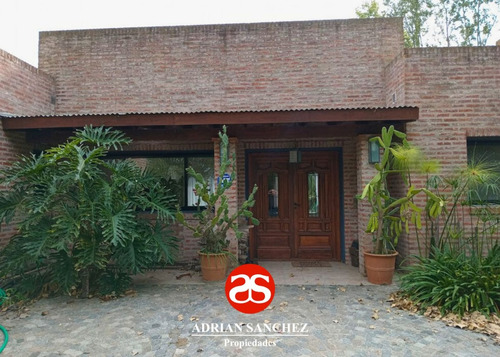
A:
(69, 115)
(139, 119)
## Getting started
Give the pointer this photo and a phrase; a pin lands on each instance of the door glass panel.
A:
(272, 193)
(313, 194)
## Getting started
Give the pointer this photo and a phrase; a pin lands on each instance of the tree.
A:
(474, 20)
(459, 22)
(82, 222)
(415, 14)
(443, 16)
(368, 10)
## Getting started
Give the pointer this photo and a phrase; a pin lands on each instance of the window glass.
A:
(205, 167)
(313, 194)
(485, 153)
(272, 194)
(172, 171)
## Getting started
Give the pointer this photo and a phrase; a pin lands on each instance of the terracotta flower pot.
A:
(380, 267)
(213, 266)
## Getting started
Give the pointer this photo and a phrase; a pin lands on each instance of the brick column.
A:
(365, 172)
(232, 192)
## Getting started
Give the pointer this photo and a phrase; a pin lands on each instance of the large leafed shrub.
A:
(85, 223)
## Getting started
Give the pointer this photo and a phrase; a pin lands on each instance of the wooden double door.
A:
(297, 204)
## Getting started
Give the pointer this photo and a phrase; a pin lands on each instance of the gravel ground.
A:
(171, 320)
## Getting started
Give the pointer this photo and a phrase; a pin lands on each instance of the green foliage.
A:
(369, 9)
(459, 22)
(390, 215)
(474, 20)
(80, 216)
(214, 219)
(455, 282)
(445, 21)
(466, 223)
(415, 14)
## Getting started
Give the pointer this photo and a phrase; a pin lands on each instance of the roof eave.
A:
(356, 115)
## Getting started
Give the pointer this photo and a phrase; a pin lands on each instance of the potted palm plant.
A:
(213, 219)
(390, 215)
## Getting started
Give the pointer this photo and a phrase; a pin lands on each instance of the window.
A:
(313, 193)
(272, 194)
(172, 168)
(486, 151)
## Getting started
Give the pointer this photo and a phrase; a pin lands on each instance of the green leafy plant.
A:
(390, 215)
(459, 270)
(468, 222)
(213, 218)
(83, 219)
(455, 282)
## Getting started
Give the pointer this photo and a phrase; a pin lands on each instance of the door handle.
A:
(295, 205)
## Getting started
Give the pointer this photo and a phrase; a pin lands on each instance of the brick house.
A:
(301, 100)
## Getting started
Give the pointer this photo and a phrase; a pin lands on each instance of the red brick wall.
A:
(457, 91)
(395, 81)
(311, 64)
(364, 173)
(23, 90)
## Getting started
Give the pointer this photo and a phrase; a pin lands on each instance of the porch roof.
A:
(176, 119)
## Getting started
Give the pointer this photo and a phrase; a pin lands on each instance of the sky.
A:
(22, 20)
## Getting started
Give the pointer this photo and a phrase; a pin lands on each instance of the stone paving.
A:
(168, 319)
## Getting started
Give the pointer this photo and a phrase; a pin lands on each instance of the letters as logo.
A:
(250, 288)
